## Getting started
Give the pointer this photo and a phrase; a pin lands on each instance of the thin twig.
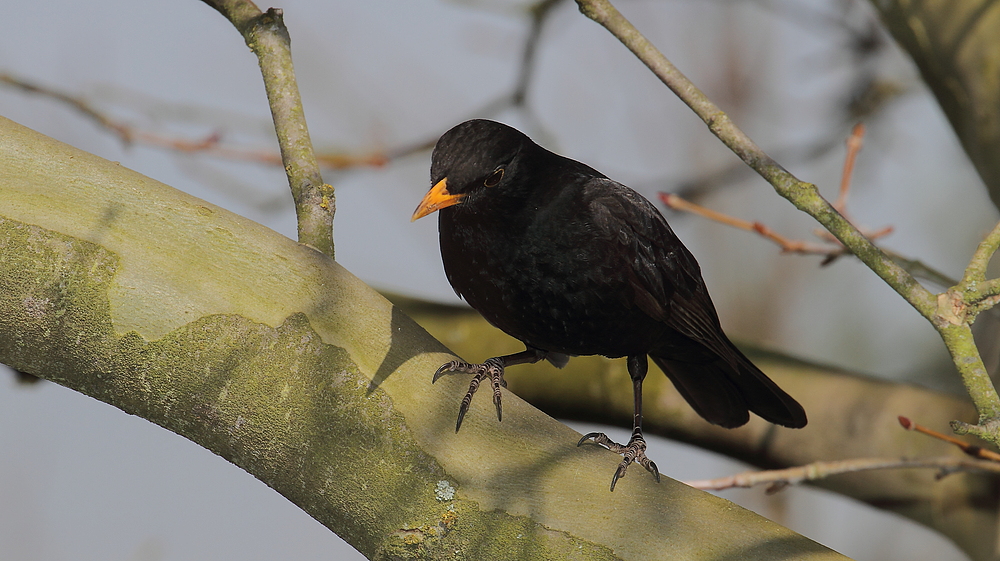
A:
(211, 145)
(787, 245)
(75, 102)
(516, 98)
(854, 143)
(976, 293)
(266, 35)
(780, 478)
(970, 449)
(976, 270)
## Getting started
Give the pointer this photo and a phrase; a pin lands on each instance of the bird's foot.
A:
(493, 369)
(634, 451)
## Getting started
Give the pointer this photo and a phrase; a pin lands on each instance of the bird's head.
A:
(470, 160)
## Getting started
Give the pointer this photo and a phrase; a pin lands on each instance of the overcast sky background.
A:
(80, 480)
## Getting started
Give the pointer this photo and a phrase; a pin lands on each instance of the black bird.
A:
(572, 263)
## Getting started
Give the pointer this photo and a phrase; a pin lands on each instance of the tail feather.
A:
(724, 392)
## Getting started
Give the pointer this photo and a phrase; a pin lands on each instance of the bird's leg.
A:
(493, 369)
(635, 450)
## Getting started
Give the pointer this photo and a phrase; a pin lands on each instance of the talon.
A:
(492, 369)
(467, 400)
(619, 473)
(461, 415)
(496, 401)
(446, 367)
(634, 452)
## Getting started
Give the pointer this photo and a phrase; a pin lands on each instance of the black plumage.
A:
(572, 263)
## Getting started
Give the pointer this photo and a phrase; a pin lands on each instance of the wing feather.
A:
(665, 278)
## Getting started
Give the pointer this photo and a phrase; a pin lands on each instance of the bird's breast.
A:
(554, 292)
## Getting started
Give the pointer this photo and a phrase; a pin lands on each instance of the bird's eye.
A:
(494, 177)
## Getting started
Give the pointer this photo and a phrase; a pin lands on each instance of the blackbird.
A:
(570, 262)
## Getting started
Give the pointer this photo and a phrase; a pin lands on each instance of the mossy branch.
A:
(975, 292)
(266, 35)
(975, 272)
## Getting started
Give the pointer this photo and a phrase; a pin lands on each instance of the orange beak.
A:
(436, 199)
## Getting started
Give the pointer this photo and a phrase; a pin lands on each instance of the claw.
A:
(496, 402)
(634, 451)
(446, 367)
(467, 400)
(620, 472)
(461, 415)
(651, 467)
(493, 369)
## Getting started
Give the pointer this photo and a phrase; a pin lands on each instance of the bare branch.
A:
(780, 478)
(970, 449)
(267, 37)
(854, 143)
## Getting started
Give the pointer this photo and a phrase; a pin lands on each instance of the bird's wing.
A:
(665, 278)
(712, 374)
